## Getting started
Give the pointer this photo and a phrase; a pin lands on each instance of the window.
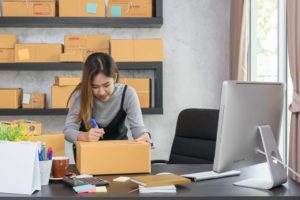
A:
(267, 58)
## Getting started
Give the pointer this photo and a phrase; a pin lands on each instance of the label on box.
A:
(116, 11)
(41, 9)
(91, 8)
(23, 54)
(26, 98)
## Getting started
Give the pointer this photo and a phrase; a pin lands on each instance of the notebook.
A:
(160, 180)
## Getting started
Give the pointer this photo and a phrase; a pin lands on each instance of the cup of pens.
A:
(45, 160)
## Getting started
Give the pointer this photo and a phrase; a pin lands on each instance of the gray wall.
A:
(196, 43)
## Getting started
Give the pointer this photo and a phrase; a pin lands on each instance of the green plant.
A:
(13, 133)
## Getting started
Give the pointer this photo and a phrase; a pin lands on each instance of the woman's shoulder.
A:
(130, 91)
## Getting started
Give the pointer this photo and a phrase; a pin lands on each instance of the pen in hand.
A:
(95, 125)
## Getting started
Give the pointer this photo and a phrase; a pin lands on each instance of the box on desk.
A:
(31, 127)
(113, 157)
(10, 98)
(55, 140)
(29, 8)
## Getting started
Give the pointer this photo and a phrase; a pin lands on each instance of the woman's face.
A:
(103, 87)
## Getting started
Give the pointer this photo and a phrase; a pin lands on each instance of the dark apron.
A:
(115, 130)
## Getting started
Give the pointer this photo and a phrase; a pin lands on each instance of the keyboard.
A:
(85, 181)
(210, 175)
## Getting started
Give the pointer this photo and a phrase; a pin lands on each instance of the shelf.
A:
(74, 66)
(61, 111)
(81, 22)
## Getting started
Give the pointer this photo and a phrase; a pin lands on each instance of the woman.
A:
(98, 97)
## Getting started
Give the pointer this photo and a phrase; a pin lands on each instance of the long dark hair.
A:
(95, 64)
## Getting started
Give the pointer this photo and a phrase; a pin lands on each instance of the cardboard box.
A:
(130, 8)
(64, 80)
(141, 50)
(7, 55)
(55, 140)
(37, 52)
(117, 157)
(8, 41)
(10, 98)
(87, 41)
(32, 8)
(86, 52)
(8, 124)
(142, 87)
(31, 127)
(82, 8)
(60, 95)
(71, 57)
(34, 100)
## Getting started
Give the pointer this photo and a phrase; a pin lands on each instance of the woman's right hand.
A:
(92, 135)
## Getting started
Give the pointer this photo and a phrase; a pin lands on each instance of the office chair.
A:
(195, 137)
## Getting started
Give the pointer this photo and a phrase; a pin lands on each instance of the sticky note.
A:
(91, 8)
(101, 189)
(116, 11)
(23, 54)
(121, 179)
(26, 98)
(83, 188)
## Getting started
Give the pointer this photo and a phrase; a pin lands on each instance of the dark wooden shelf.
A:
(74, 66)
(81, 22)
(60, 111)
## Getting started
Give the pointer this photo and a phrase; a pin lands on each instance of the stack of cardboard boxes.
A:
(62, 90)
(79, 47)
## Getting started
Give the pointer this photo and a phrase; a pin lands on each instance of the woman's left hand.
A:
(145, 137)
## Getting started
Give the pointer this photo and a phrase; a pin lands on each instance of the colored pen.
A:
(43, 151)
(94, 124)
(50, 154)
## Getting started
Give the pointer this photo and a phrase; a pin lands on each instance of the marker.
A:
(95, 125)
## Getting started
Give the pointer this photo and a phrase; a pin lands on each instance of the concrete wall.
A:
(196, 43)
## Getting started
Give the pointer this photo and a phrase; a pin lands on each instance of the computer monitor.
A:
(244, 107)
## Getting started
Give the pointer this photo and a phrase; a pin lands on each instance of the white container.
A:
(45, 169)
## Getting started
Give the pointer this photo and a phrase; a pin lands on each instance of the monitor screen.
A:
(244, 106)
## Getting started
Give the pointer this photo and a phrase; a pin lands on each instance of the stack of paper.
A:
(160, 189)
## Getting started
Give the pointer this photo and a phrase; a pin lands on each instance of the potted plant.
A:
(13, 133)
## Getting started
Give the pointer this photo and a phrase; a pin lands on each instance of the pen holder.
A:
(45, 169)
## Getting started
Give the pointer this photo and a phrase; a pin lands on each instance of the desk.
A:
(206, 190)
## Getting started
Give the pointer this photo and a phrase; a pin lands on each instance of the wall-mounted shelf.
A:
(83, 22)
(155, 66)
(62, 111)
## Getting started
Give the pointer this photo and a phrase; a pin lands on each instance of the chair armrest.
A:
(159, 161)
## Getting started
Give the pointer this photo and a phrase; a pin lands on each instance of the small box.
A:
(8, 124)
(60, 95)
(10, 98)
(55, 140)
(141, 50)
(87, 41)
(82, 8)
(31, 127)
(71, 57)
(37, 52)
(86, 52)
(130, 8)
(34, 100)
(8, 41)
(64, 80)
(29, 8)
(142, 87)
(117, 157)
(7, 55)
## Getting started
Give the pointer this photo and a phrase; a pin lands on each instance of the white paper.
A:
(26, 98)
(19, 168)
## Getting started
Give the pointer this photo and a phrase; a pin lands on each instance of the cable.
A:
(293, 171)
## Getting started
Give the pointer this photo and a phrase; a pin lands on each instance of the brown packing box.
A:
(8, 123)
(8, 41)
(37, 100)
(141, 50)
(117, 157)
(10, 98)
(37, 52)
(82, 8)
(7, 55)
(55, 140)
(60, 95)
(64, 80)
(87, 41)
(31, 127)
(143, 88)
(34, 8)
(71, 57)
(130, 8)
(85, 52)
